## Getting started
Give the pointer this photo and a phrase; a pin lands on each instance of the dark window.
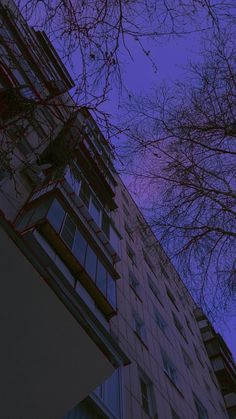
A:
(131, 254)
(169, 367)
(101, 277)
(187, 360)
(201, 410)
(154, 289)
(126, 212)
(85, 194)
(147, 394)
(179, 326)
(95, 210)
(160, 321)
(189, 325)
(172, 298)
(125, 198)
(198, 355)
(56, 215)
(68, 231)
(79, 248)
(106, 224)
(139, 327)
(73, 179)
(91, 262)
(129, 231)
(148, 262)
(111, 291)
(144, 394)
(133, 282)
(163, 271)
(174, 414)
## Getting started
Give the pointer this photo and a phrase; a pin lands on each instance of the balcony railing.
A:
(71, 243)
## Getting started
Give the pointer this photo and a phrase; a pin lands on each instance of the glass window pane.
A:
(112, 393)
(95, 210)
(79, 248)
(106, 224)
(101, 277)
(114, 240)
(73, 180)
(111, 291)
(91, 262)
(85, 194)
(56, 215)
(68, 231)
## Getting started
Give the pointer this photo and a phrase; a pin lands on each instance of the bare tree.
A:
(94, 37)
(187, 137)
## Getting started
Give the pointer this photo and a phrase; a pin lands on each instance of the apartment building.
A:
(96, 321)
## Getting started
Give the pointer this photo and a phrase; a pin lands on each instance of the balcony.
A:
(73, 141)
(71, 243)
(230, 400)
(222, 362)
(49, 336)
(15, 101)
(80, 200)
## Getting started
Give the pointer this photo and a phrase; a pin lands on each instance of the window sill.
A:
(173, 383)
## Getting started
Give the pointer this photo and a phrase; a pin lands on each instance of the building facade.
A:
(101, 325)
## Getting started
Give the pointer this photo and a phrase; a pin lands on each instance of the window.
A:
(148, 262)
(125, 198)
(80, 246)
(24, 147)
(174, 415)
(134, 283)
(208, 388)
(201, 410)
(189, 325)
(114, 239)
(110, 393)
(179, 326)
(160, 321)
(187, 360)
(95, 210)
(212, 375)
(91, 262)
(163, 271)
(129, 231)
(139, 327)
(169, 367)
(111, 290)
(101, 277)
(154, 289)
(172, 298)
(73, 180)
(147, 395)
(85, 194)
(126, 212)
(82, 251)
(68, 231)
(131, 254)
(56, 215)
(198, 355)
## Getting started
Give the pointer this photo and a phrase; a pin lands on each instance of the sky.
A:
(171, 58)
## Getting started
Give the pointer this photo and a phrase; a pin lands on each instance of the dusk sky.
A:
(171, 58)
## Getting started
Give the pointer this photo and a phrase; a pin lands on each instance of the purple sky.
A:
(171, 58)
